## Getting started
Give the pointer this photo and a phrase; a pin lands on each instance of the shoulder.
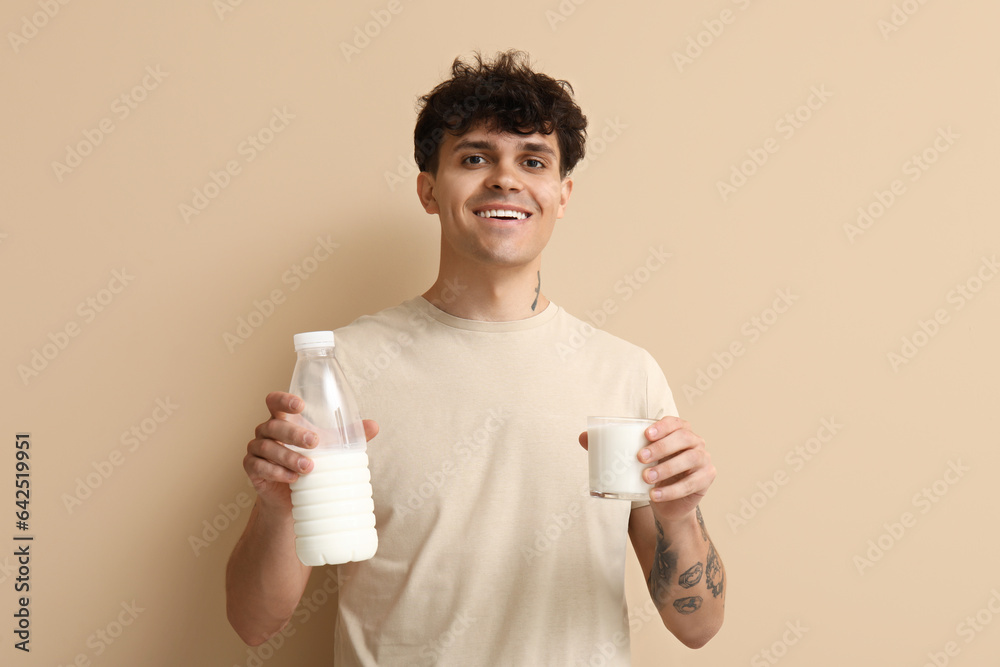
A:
(392, 321)
(581, 336)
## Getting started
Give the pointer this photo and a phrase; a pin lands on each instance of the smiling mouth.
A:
(502, 214)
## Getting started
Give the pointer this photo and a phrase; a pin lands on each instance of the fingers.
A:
(285, 431)
(683, 466)
(280, 402)
(270, 461)
(267, 458)
(666, 444)
(694, 484)
(679, 465)
(666, 426)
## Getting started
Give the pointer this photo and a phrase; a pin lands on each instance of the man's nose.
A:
(505, 177)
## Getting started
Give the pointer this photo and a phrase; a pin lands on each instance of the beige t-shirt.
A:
(491, 550)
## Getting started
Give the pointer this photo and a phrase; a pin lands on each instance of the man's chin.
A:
(505, 259)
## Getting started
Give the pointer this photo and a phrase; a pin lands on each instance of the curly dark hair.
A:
(508, 96)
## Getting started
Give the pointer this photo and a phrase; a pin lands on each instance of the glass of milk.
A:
(613, 445)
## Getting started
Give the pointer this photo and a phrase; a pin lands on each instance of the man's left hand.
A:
(684, 471)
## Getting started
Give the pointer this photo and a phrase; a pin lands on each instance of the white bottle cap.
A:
(312, 339)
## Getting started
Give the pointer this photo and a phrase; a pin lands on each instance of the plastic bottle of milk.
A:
(331, 504)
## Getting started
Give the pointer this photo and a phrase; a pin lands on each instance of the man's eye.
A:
(474, 157)
(538, 164)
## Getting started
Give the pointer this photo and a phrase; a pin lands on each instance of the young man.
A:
(490, 549)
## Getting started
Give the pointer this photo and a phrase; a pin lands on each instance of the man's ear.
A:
(565, 188)
(425, 191)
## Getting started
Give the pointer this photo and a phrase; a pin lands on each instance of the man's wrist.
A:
(684, 523)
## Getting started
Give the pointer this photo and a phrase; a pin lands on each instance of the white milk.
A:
(333, 510)
(615, 472)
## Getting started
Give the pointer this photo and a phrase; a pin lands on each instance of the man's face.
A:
(498, 195)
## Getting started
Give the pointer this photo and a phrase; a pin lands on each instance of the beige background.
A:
(653, 181)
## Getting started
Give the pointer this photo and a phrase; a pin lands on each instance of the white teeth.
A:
(502, 213)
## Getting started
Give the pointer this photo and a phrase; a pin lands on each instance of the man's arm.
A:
(683, 571)
(264, 577)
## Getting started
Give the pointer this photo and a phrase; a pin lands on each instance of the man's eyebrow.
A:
(537, 147)
(475, 145)
(482, 145)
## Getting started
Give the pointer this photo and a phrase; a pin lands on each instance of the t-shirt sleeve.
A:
(659, 398)
(659, 401)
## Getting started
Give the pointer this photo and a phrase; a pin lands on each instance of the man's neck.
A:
(501, 295)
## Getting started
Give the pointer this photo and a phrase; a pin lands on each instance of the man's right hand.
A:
(270, 465)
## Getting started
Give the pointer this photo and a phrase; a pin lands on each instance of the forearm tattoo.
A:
(714, 575)
(691, 576)
(701, 523)
(688, 605)
(665, 567)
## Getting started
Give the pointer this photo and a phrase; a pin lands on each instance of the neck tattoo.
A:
(537, 291)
